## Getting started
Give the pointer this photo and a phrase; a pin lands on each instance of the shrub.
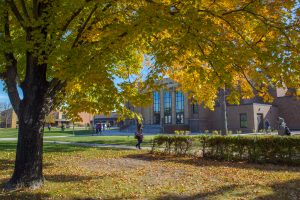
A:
(258, 149)
(177, 144)
(214, 132)
(229, 132)
(206, 131)
(179, 132)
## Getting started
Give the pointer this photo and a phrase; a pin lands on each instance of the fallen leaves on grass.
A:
(94, 173)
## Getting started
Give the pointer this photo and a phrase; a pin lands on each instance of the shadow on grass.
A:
(201, 162)
(67, 132)
(20, 195)
(48, 148)
(68, 178)
(197, 196)
(289, 190)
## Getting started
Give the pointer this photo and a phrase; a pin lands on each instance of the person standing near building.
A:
(283, 129)
(139, 135)
(267, 126)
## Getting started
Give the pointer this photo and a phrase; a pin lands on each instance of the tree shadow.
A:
(6, 164)
(289, 190)
(201, 162)
(69, 178)
(52, 148)
(201, 195)
(20, 194)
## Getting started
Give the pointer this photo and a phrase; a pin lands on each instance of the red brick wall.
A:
(289, 109)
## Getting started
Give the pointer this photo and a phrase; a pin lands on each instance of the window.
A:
(195, 108)
(167, 107)
(243, 120)
(179, 108)
(156, 108)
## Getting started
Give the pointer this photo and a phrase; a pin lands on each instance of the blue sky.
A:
(3, 94)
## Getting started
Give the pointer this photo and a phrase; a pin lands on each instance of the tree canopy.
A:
(203, 45)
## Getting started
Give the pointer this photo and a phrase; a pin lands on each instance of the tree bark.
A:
(33, 108)
(225, 112)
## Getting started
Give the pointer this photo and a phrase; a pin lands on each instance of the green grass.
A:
(13, 133)
(74, 172)
(116, 140)
(81, 137)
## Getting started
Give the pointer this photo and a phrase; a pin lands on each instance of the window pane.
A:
(156, 108)
(179, 108)
(243, 120)
(168, 107)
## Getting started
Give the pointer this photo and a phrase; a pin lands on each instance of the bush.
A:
(215, 132)
(173, 144)
(179, 132)
(258, 149)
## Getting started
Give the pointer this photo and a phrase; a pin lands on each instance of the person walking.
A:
(139, 136)
(49, 127)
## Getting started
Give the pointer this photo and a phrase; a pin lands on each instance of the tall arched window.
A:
(179, 108)
(156, 108)
(167, 107)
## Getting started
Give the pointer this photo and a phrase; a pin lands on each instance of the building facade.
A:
(8, 119)
(172, 110)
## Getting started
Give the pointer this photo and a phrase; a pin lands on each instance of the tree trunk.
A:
(33, 108)
(28, 164)
(225, 112)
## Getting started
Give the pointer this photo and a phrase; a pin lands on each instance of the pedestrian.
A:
(49, 127)
(98, 128)
(62, 127)
(139, 135)
(283, 128)
(267, 126)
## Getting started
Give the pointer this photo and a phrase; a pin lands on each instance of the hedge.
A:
(257, 149)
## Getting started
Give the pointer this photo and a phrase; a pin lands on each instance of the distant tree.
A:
(50, 118)
(5, 113)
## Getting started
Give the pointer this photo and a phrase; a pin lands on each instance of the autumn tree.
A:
(247, 46)
(68, 53)
(64, 54)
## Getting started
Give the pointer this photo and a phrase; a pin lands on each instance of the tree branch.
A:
(81, 29)
(16, 12)
(35, 9)
(10, 74)
(24, 9)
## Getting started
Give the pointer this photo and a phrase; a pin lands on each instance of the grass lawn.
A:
(13, 133)
(117, 140)
(102, 173)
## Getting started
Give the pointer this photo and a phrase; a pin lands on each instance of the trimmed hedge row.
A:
(258, 149)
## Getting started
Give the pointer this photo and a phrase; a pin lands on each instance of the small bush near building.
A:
(179, 132)
(257, 149)
(215, 132)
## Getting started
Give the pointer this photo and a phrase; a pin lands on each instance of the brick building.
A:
(172, 110)
(8, 119)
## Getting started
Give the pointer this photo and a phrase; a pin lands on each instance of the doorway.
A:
(260, 121)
